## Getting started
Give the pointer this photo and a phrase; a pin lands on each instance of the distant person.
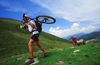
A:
(32, 28)
(73, 40)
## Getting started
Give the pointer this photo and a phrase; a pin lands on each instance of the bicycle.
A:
(43, 19)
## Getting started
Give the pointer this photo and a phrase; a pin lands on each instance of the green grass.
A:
(14, 41)
(13, 45)
(89, 55)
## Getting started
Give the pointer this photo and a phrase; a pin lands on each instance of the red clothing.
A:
(74, 39)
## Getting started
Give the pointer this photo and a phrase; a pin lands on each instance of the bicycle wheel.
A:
(45, 19)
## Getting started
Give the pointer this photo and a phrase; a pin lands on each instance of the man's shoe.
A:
(31, 61)
(45, 55)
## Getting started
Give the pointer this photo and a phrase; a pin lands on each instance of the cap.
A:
(25, 16)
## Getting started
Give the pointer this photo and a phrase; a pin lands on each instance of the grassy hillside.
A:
(89, 55)
(13, 40)
(93, 35)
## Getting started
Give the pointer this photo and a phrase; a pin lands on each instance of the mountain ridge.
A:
(80, 35)
(14, 41)
(92, 35)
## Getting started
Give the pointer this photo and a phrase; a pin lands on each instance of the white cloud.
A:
(73, 10)
(58, 27)
(75, 25)
(73, 30)
(89, 29)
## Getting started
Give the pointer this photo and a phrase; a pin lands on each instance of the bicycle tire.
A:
(46, 21)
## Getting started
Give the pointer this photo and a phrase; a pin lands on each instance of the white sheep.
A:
(81, 42)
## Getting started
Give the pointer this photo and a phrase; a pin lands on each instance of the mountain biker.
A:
(34, 38)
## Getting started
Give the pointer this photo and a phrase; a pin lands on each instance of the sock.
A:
(31, 58)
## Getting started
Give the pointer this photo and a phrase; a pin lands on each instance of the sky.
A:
(72, 16)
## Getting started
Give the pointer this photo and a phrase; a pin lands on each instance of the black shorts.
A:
(35, 37)
(75, 43)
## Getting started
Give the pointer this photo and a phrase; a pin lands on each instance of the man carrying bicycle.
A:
(34, 38)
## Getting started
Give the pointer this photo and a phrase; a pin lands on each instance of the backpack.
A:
(39, 26)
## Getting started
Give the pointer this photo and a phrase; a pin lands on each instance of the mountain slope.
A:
(93, 35)
(13, 40)
(89, 54)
